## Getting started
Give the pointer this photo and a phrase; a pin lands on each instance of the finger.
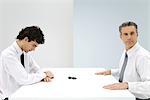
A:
(52, 77)
(50, 74)
(99, 73)
(105, 87)
(108, 86)
(104, 74)
(112, 87)
(44, 79)
(48, 79)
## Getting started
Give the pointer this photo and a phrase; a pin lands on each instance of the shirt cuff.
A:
(44, 75)
(131, 86)
(114, 71)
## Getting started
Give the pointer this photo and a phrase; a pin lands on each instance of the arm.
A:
(142, 87)
(137, 88)
(115, 86)
(16, 70)
(36, 69)
(109, 72)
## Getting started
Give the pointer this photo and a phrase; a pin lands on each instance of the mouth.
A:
(129, 42)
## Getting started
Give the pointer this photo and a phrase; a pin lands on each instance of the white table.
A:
(87, 86)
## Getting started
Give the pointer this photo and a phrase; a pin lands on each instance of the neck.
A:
(128, 48)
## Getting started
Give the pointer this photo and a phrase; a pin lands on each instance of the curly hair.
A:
(33, 33)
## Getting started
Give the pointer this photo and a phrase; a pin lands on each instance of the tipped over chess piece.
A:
(74, 78)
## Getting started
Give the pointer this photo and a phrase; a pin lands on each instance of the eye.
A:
(131, 33)
(34, 45)
(125, 34)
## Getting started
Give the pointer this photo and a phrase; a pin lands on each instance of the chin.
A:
(131, 46)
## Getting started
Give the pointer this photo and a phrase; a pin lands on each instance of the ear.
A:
(26, 39)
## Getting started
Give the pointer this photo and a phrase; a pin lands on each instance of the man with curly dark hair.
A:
(17, 67)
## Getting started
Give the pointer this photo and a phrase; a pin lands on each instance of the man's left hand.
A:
(117, 86)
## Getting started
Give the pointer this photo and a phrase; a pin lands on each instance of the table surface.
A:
(87, 86)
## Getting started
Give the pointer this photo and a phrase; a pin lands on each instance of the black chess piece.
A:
(74, 78)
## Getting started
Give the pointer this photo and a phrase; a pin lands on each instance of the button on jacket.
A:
(12, 73)
(137, 72)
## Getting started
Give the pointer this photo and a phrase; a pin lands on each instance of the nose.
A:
(129, 37)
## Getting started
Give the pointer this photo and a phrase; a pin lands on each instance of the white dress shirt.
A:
(12, 73)
(137, 72)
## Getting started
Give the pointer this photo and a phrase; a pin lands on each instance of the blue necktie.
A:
(123, 68)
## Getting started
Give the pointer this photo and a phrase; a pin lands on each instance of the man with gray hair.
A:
(134, 66)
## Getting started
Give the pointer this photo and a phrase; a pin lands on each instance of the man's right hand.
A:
(106, 72)
(48, 77)
(49, 74)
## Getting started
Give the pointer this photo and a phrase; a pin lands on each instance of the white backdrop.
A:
(79, 33)
(149, 25)
(0, 27)
(54, 17)
(96, 36)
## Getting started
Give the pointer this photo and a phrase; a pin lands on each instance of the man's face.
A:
(129, 36)
(29, 46)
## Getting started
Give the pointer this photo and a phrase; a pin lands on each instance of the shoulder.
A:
(8, 52)
(142, 54)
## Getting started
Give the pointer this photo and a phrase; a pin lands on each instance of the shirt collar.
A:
(133, 49)
(17, 48)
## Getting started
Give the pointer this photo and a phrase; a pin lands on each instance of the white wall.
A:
(0, 28)
(93, 40)
(96, 35)
(54, 17)
(149, 25)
